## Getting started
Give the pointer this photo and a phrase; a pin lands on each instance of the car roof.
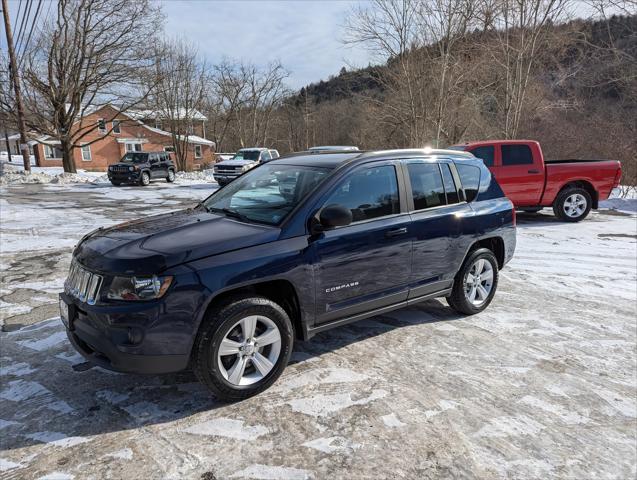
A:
(336, 159)
(349, 148)
(247, 149)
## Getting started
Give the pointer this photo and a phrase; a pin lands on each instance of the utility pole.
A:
(13, 66)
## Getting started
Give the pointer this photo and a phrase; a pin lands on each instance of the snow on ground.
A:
(543, 384)
(13, 174)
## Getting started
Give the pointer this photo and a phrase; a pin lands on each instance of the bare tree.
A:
(177, 92)
(92, 52)
(521, 28)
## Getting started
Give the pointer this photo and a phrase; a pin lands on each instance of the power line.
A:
(23, 24)
(26, 45)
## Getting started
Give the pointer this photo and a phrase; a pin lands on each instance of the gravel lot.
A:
(543, 384)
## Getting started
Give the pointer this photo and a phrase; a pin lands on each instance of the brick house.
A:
(120, 132)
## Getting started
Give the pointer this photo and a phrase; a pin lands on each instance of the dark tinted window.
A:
(426, 185)
(516, 155)
(450, 185)
(470, 179)
(485, 154)
(368, 193)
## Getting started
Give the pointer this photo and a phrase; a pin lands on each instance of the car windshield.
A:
(247, 155)
(266, 194)
(134, 158)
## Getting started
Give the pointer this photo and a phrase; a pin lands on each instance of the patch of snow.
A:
(72, 357)
(23, 390)
(123, 454)
(624, 405)
(17, 369)
(12, 309)
(321, 376)
(569, 417)
(8, 465)
(392, 421)
(332, 444)
(229, 428)
(57, 439)
(267, 472)
(6, 423)
(57, 476)
(145, 411)
(46, 343)
(322, 405)
(508, 426)
(111, 397)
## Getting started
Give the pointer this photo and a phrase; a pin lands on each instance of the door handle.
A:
(534, 171)
(395, 232)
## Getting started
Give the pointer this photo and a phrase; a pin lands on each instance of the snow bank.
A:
(622, 199)
(13, 174)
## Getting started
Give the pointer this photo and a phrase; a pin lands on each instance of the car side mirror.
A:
(335, 215)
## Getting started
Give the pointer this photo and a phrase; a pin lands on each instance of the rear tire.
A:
(475, 283)
(572, 204)
(171, 176)
(144, 180)
(233, 366)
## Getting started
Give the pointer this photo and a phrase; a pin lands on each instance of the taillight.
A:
(618, 177)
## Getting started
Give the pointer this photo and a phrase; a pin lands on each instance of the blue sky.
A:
(304, 35)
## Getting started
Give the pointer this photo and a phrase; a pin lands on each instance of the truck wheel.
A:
(171, 176)
(144, 179)
(475, 284)
(572, 204)
(242, 347)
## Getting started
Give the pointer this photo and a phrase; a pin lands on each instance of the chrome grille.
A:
(82, 284)
(228, 169)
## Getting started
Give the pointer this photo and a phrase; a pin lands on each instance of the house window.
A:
(197, 151)
(101, 125)
(116, 128)
(169, 149)
(86, 153)
(52, 152)
(133, 147)
(158, 123)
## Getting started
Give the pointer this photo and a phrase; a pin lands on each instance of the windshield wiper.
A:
(228, 212)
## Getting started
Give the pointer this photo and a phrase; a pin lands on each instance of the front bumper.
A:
(126, 177)
(225, 177)
(119, 338)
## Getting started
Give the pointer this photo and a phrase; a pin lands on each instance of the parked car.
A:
(142, 167)
(244, 160)
(571, 187)
(333, 148)
(227, 286)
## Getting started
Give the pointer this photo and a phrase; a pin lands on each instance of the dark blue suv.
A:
(293, 247)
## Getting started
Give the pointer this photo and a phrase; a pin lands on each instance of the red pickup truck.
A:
(571, 187)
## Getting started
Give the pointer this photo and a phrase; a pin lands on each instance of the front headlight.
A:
(130, 169)
(138, 288)
(246, 168)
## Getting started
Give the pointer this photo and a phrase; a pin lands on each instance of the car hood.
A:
(158, 242)
(236, 163)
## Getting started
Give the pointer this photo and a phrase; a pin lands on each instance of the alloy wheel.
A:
(575, 205)
(249, 350)
(478, 282)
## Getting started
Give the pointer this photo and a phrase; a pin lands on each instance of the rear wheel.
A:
(242, 347)
(572, 204)
(475, 284)
(171, 176)
(144, 179)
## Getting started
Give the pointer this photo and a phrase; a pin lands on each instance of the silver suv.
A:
(242, 161)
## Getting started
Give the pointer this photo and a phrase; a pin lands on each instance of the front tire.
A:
(572, 204)
(171, 176)
(475, 284)
(116, 184)
(144, 180)
(242, 347)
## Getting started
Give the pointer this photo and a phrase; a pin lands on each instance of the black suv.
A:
(142, 167)
(289, 249)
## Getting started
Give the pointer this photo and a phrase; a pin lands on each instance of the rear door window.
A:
(486, 154)
(516, 155)
(470, 178)
(426, 185)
